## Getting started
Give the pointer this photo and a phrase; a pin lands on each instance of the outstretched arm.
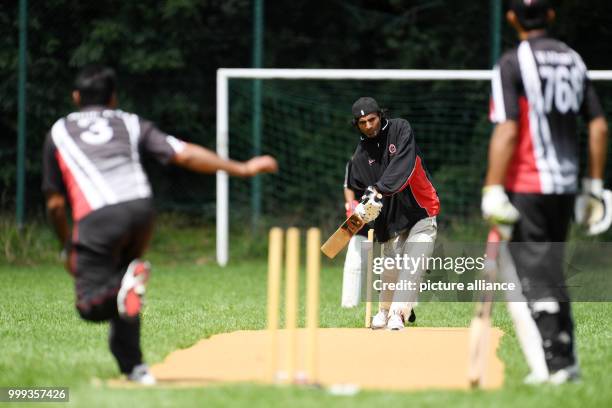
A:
(197, 158)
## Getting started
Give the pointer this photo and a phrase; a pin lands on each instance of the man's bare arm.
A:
(56, 211)
(197, 158)
(501, 149)
(598, 147)
(349, 195)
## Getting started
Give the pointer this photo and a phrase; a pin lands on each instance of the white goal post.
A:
(225, 74)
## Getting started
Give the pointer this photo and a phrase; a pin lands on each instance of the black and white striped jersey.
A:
(94, 157)
(543, 86)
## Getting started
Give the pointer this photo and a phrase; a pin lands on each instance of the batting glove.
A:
(370, 206)
(496, 207)
(593, 207)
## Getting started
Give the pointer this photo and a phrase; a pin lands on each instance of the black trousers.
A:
(538, 243)
(124, 334)
(103, 245)
(538, 249)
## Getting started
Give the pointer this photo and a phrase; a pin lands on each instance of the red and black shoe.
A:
(133, 287)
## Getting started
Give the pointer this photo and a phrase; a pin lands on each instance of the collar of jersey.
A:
(93, 108)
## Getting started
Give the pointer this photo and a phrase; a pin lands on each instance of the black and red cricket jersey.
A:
(393, 163)
(542, 85)
(94, 157)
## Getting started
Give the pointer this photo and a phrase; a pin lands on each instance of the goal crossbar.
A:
(225, 74)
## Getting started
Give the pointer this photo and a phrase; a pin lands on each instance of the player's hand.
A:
(593, 206)
(370, 206)
(261, 164)
(370, 194)
(350, 207)
(496, 207)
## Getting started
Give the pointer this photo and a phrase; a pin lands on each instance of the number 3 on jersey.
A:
(98, 131)
(563, 86)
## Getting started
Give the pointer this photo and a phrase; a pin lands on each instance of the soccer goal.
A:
(305, 122)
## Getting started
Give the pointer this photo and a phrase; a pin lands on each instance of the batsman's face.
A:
(369, 124)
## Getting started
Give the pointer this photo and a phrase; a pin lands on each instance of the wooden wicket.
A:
(368, 299)
(292, 266)
(313, 268)
(275, 259)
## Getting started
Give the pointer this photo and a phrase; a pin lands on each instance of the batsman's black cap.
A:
(532, 14)
(364, 106)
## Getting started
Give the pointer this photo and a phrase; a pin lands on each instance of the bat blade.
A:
(480, 327)
(339, 239)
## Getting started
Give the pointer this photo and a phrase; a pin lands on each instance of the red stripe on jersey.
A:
(423, 191)
(78, 202)
(522, 175)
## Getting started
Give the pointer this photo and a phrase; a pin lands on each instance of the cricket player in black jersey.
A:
(92, 161)
(538, 90)
(388, 161)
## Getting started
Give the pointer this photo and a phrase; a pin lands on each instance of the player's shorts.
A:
(103, 244)
(537, 245)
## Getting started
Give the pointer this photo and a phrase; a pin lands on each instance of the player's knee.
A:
(421, 238)
(93, 313)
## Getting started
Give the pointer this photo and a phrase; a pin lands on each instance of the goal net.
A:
(305, 123)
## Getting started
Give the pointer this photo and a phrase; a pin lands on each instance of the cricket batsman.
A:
(388, 161)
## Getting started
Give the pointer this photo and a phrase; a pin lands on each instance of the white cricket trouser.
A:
(351, 278)
(417, 243)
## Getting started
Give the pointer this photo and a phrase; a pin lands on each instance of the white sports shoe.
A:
(535, 379)
(141, 375)
(565, 375)
(395, 322)
(380, 319)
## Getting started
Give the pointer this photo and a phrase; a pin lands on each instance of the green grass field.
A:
(44, 343)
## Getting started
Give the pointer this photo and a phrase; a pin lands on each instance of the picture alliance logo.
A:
(456, 264)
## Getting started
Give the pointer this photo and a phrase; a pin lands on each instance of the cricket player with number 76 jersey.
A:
(538, 91)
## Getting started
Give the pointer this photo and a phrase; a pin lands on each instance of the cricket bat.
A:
(480, 327)
(339, 239)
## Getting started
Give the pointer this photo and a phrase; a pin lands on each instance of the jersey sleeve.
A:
(158, 144)
(505, 88)
(352, 179)
(591, 107)
(347, 181)
(396, 176)
(52, 181)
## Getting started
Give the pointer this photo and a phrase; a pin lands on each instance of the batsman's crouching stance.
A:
(388, 161)
(92, 161)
